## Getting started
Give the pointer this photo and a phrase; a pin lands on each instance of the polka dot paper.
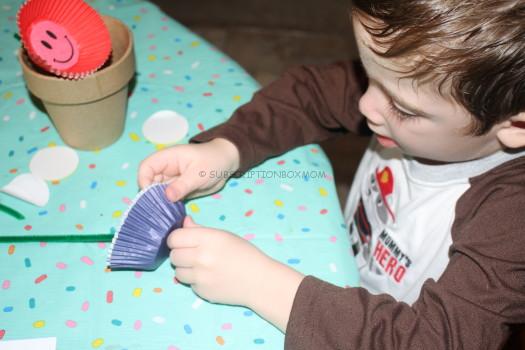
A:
(53, 278)
(183, 86)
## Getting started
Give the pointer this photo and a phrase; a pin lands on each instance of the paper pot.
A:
(89, 113)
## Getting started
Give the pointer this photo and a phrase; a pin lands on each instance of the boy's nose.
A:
(369, 109)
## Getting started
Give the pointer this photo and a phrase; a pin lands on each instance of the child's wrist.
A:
(274, 294)
(231, 151)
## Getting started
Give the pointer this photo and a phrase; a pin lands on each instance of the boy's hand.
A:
(194, 170)
(224, 268)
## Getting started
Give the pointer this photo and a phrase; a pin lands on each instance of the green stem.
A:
(11, 212)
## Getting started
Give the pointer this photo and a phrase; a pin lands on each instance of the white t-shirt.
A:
(399, 214)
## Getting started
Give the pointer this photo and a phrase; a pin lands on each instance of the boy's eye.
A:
(398, 113)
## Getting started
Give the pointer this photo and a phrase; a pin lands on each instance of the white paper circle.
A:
(165, 127)
(54, 163)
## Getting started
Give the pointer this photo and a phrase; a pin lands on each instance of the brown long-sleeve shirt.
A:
(481, 292)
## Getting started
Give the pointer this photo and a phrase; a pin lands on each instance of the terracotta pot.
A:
(89, 113)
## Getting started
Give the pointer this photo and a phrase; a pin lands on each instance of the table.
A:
(287, 206)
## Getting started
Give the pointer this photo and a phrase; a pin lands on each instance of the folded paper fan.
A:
(140, 242)
(65, 37)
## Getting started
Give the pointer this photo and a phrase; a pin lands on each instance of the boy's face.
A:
(420, 122)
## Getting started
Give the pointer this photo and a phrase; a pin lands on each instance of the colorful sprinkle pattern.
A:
(63, 289)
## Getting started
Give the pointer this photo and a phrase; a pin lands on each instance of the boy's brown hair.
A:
(475, 46)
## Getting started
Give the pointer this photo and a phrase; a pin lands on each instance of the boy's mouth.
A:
(519, 124)
(386, 141)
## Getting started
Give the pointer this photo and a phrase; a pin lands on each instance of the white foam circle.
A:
(54, 163)
(165, 127)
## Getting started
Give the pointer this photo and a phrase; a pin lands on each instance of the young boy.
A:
(435, 211)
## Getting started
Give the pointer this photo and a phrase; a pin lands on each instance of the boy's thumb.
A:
(177, 189)
(188, 222)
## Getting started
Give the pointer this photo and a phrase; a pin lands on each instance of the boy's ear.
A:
(512, 132)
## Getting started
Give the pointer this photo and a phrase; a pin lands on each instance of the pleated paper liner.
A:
(141, 240)
(65, 37)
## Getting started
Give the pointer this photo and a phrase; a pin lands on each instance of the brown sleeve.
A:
(478, 298)
(306, 105)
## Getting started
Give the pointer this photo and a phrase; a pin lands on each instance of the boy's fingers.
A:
(185, 275)
(180, 187)
(183, 257)
(162, 163)
(149, 171)
(188, 222)
(183, 238)
(146, 176)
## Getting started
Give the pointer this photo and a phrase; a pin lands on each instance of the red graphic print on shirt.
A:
(373, 212)
(385, 182)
